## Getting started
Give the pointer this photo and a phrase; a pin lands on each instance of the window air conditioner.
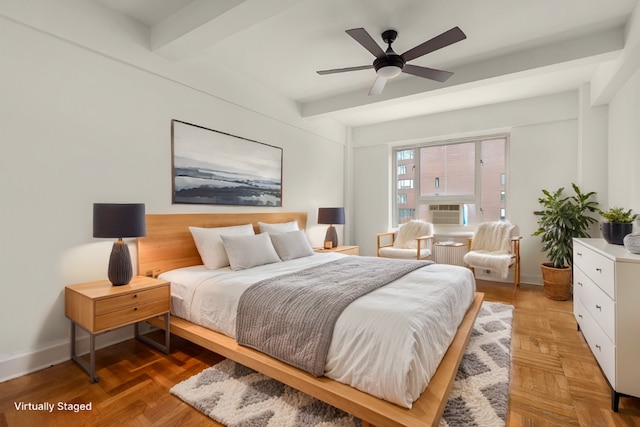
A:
(445, 214)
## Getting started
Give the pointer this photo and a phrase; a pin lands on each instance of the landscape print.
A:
(211, 167)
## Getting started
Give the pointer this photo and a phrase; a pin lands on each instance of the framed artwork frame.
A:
(217, 168)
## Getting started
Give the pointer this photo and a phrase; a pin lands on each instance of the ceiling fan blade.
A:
(361, 36)
(451, 36)
(427, 73)
(378, 85)
(344, 70)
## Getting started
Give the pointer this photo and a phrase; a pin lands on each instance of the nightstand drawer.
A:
(134, 313)
(132, 299)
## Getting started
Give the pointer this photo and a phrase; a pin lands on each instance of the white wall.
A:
(624, 147)
(372, 192)
(593, 129)
(80, 127)
(543, 153)
(542, 156)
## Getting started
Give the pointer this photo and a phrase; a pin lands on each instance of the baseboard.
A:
(36, 360)
(529, 279)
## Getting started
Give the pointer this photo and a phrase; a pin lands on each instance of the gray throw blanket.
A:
(291, 317)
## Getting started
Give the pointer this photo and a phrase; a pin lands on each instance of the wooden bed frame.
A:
(169, 245)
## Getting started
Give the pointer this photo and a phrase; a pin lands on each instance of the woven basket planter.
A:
(557, 282)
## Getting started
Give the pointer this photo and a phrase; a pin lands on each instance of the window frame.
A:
(476, 198)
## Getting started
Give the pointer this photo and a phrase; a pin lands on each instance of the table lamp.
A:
(119, 220)
(331, 216)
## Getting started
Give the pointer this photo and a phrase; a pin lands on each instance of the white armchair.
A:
(413, 240)
(495, 246)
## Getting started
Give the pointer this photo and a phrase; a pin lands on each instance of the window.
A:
(405, 215)
(405, 183)
(404, 154)
(457, 182)
(447, 170)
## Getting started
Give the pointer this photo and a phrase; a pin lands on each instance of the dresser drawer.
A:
(603, 349)
(132, 299)
(600, 306)
(579, 311)
(599, 269)
(131, 314)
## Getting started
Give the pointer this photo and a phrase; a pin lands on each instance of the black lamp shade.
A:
(331, 216)
(118, 220)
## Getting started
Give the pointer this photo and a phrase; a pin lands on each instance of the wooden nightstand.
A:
(347, 250)
(99, 307)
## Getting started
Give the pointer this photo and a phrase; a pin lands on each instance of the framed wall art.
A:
(216, 168)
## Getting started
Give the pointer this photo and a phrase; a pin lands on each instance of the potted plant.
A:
(618, 224)
(562, 218)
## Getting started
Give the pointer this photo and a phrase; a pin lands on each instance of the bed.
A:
(169, 250)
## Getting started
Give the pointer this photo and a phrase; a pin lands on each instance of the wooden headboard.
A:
(169, 245)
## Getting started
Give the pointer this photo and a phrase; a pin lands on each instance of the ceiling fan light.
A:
(389, 72)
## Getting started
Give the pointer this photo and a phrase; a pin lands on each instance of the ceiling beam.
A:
(610, 77)
(202, 23)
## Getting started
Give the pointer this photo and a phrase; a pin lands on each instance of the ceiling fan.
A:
(389, 64)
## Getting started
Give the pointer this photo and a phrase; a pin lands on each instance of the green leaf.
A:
(562, 218)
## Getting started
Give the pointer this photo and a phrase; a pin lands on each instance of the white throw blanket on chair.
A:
(491, 247)
(410, 231)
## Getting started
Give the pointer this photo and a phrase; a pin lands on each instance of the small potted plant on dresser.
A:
(618, 224)
(561, 219)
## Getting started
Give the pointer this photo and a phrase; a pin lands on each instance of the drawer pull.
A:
(580, 316)
(580, 283)
(135, 308)
(598, 347)
(135, 295)
(599, 307)
(599, 270)
(579, 253)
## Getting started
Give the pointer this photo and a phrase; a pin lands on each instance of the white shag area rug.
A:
(237, 396)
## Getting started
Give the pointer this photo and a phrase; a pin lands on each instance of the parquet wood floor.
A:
(555, 380)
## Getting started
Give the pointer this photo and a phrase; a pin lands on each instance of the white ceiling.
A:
(513, 48)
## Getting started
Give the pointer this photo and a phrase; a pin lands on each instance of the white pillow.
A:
(291, 245)
(210, 245)
(281, 227)
(249, 251)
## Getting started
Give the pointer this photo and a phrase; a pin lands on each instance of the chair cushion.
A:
(410, 231)
(392, 252)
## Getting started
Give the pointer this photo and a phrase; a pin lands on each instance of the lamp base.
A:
(120, 270)
(331, 236)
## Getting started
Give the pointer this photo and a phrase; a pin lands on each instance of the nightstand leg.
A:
(91, 367)
(167, 332)
(152, 343)
(73, 340)
(92, 357)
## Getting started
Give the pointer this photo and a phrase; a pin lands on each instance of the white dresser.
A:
(606, 303)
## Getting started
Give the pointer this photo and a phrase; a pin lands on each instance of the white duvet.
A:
(387, 343)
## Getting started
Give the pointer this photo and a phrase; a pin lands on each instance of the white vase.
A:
(632, 243)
